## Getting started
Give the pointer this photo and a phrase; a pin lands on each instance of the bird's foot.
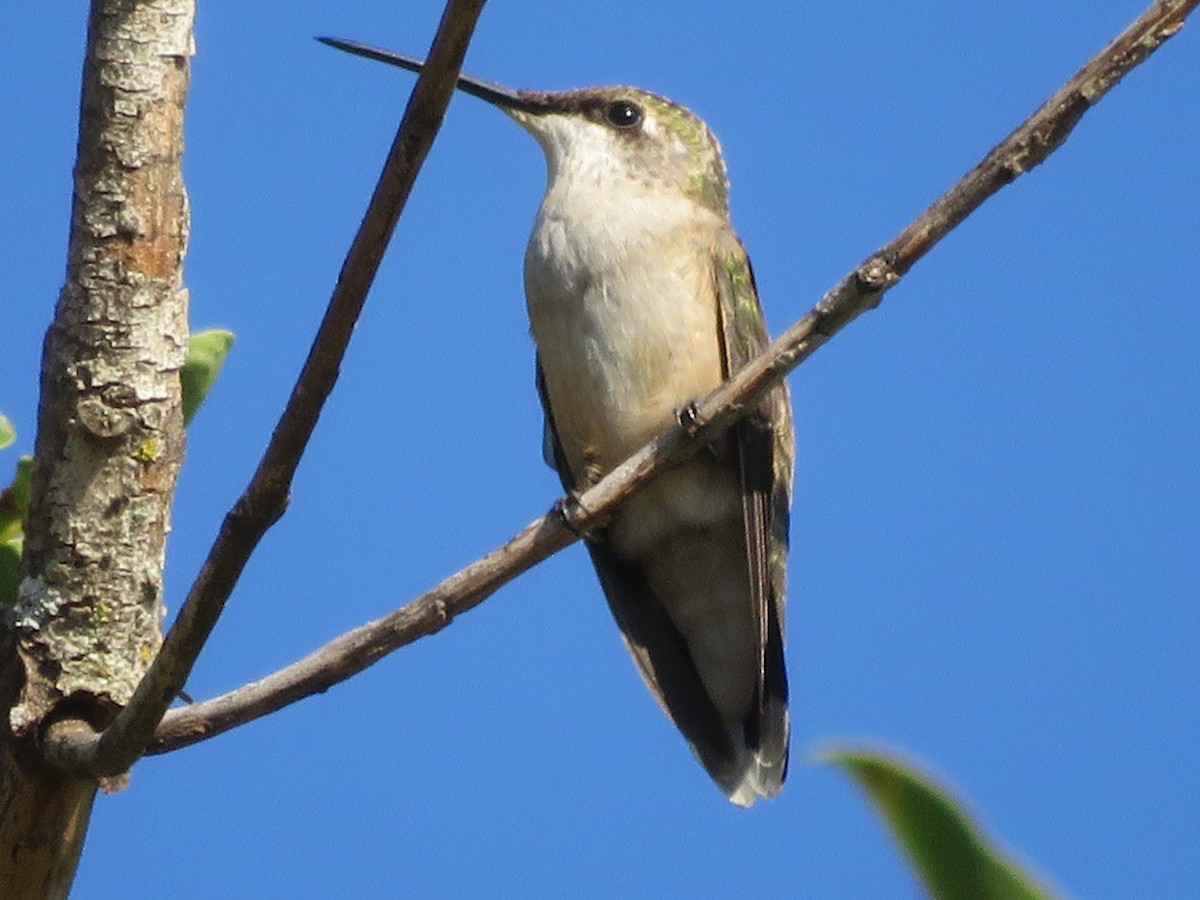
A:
(568, 509)
(688, 417)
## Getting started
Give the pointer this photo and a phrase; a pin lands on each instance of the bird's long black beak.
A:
(496, 94)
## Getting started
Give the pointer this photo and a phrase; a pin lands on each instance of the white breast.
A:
(620, 291)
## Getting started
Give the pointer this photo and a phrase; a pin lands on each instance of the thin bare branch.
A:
(266, 497)
(862, 289)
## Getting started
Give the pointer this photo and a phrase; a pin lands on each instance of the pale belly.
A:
(625, 339)
(617, 369)
(622, 353)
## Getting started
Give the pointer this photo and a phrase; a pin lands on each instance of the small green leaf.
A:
(14, 501)
(14, 507)
(8, 434)
(954, 860)
(206, 354)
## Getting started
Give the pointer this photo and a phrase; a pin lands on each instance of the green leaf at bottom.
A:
(954, 860)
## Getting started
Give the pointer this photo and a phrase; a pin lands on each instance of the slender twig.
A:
(859, 291)
(266, 497)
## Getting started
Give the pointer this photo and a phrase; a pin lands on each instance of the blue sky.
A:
(997, 514)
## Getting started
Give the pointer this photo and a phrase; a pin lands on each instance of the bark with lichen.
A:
(110, 434)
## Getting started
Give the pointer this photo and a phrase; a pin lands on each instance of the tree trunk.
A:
(110, 435)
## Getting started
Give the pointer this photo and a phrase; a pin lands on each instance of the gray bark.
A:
(110, 434)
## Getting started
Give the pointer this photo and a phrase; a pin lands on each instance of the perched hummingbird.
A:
(641, 300)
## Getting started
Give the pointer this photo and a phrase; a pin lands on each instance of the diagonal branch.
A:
(1029, 145)
(70, 746)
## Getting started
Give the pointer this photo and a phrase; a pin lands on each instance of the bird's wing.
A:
(765, 447)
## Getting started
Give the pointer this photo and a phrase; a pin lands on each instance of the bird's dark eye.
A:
(623, 114)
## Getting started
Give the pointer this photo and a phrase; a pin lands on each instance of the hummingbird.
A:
(641, 300)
